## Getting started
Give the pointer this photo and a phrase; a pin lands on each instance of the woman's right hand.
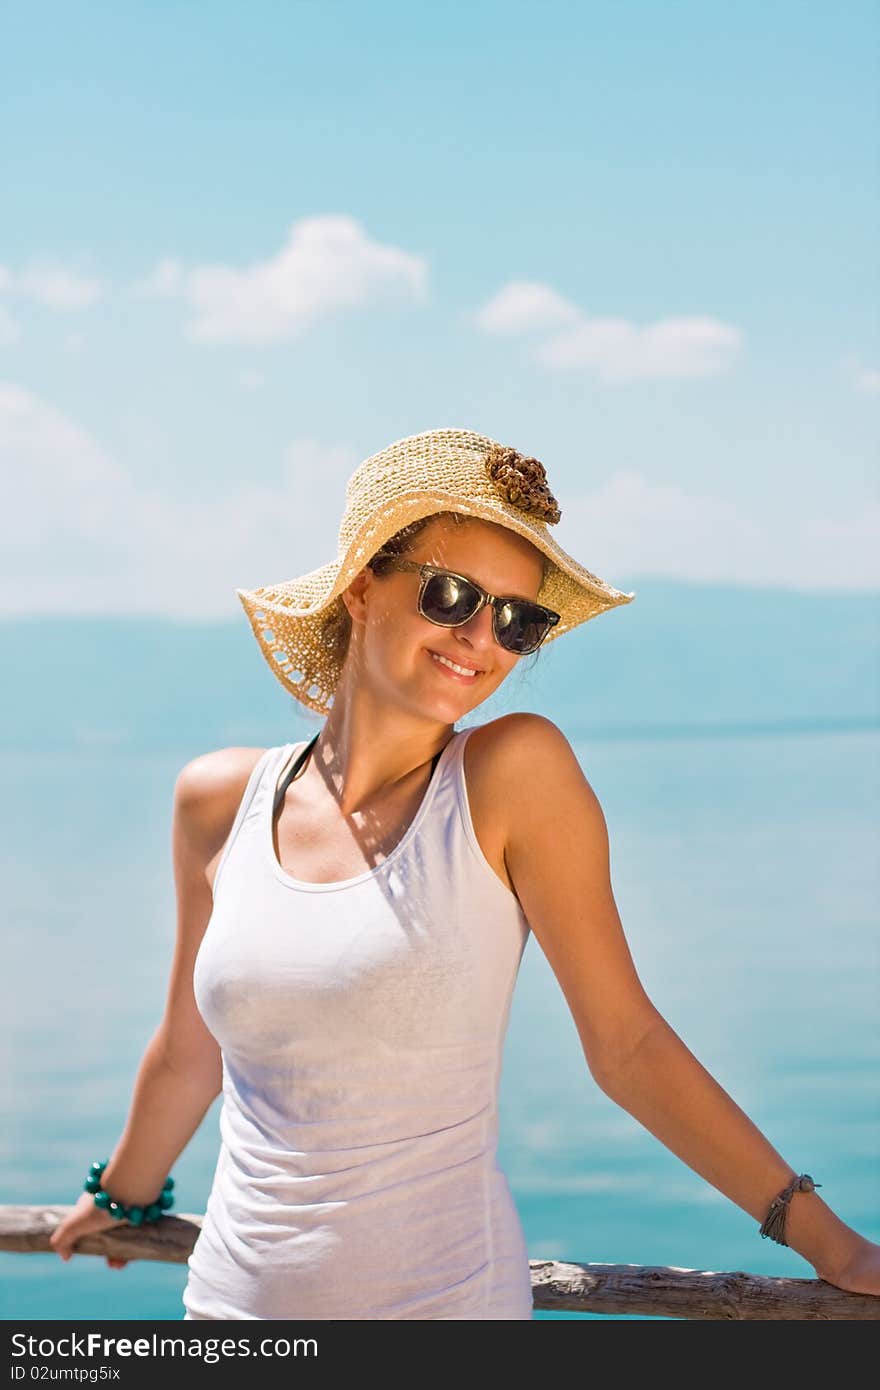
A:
(84, 1220)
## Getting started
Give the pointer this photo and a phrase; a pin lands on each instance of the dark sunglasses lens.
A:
(520, 627)
(448, 600)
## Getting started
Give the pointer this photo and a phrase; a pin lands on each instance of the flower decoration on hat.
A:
(522, 482)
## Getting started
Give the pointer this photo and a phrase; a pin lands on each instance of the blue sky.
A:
(244, 246)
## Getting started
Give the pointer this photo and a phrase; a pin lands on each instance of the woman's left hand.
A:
(860, 1273)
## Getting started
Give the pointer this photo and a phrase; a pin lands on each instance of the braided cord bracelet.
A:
(136, 1215)
(773, 1224)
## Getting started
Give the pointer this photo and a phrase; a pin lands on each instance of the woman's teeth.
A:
(461, 670)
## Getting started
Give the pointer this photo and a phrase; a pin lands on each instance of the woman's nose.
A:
(479, 630)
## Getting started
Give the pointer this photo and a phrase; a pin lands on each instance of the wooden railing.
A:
(557, 1286)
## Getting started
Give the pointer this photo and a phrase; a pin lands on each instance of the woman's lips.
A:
(448, 671)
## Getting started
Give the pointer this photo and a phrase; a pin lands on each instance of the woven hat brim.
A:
(288, 621)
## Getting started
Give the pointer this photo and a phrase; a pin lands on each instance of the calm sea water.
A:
(746, 871)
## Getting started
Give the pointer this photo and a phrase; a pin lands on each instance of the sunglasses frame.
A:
(427, 571)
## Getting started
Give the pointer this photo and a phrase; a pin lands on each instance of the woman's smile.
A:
(458, 671)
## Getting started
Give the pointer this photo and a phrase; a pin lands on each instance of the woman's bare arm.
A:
(180, 1073)
(557, 855)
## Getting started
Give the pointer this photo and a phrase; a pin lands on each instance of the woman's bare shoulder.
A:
(521, 758)
(208, 791)
(513, 766)
(506, 747)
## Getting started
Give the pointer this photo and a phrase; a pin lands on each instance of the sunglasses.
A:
(449, 600)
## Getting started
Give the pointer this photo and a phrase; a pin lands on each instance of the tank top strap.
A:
(266, 760)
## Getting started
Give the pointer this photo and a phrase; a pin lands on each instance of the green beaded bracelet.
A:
(135, 1215)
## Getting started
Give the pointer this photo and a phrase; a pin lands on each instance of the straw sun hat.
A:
(447, 470)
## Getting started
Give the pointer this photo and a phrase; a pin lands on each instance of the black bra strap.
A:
(299, 761)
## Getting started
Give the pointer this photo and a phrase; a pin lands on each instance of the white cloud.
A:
(861, 378)
(83, 537)
(163, 281)
(619, 351)
(327, 263)
(633, 525)
(64, 482)
(614, 349)
(523, 306)
(50, 283)
(9, 330)
(307, 461)
(867, 381)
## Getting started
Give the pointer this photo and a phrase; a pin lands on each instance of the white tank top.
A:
(361, 1025)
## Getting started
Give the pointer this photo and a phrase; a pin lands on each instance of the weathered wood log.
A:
(667, 1292)
(557, 1286)
(26, 1230)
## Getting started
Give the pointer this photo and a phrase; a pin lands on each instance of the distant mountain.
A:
(679, 658)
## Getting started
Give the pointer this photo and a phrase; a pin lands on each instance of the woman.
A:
(352, 915)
